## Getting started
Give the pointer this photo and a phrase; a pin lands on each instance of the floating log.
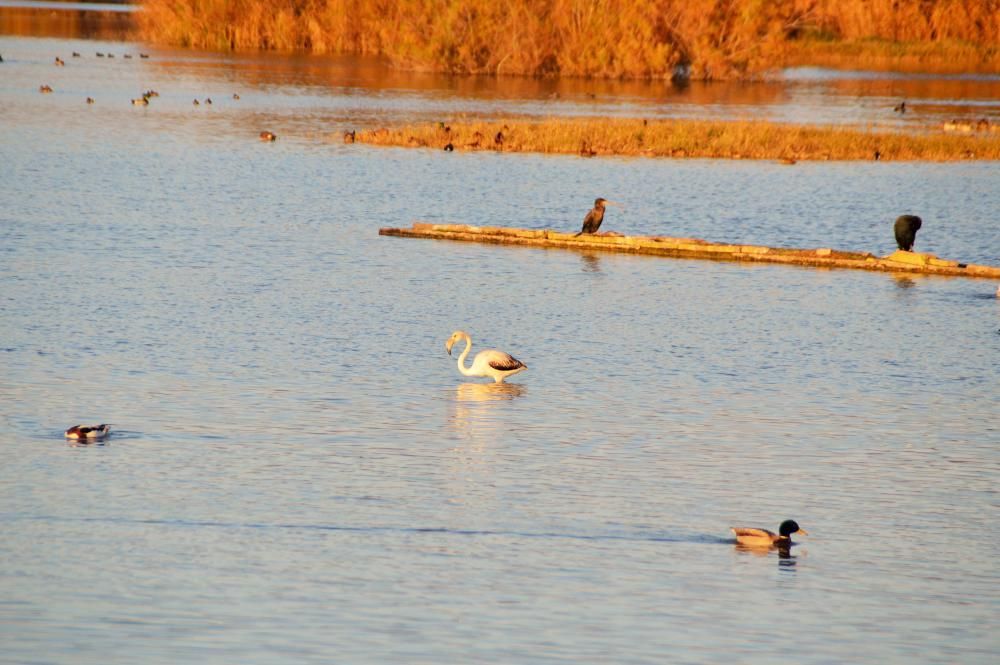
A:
(695, 248)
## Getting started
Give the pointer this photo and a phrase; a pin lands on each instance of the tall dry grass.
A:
(703, 39)
(688, 138)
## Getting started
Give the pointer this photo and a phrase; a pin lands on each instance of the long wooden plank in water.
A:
(695, 248)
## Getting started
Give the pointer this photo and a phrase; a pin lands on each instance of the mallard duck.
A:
(88, 431)
(752, 537)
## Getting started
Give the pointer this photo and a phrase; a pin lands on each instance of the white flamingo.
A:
(492, 363)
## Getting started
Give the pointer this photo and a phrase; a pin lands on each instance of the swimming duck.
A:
(75, 54)
(44, 88)
(88, 431)
(267, 136)
(141, 101)
(127, 56)
(196, 102)
(208, 100)
(90, 100)
(236, 96)
(752, 537)
(60, 62)
(143, 55)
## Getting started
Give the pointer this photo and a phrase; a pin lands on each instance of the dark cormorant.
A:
(906, 228)
(593, 220)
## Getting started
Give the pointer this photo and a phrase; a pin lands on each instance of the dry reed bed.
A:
(655, 39)
(687, 138)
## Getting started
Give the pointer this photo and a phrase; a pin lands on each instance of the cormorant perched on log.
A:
(593, 220)
(906, 228)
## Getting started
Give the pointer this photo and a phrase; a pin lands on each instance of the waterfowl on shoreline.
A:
(594, 217)
(350, 136)
(448, 147)
(754, 537)
(490, 363)
(88, 431)
(905, 229)
(267, 136)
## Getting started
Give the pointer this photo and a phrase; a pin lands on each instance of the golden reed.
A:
(655, 39)
(689, 138)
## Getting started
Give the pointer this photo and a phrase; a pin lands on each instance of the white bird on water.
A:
(492, 363)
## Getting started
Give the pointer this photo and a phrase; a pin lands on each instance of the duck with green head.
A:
(754, 537)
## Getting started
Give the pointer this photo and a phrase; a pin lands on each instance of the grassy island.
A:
(688, 138)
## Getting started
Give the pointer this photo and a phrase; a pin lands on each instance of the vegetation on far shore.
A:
(689, 138)
(652, 39)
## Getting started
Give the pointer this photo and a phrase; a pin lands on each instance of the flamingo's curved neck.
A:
(461, 358)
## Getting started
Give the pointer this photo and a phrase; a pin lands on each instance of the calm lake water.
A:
(300, 474)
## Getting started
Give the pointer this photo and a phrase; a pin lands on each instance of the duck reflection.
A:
(786, 559)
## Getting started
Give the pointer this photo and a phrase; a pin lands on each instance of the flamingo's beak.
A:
(449, 344)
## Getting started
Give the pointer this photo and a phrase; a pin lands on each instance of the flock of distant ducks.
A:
(142, 100)
(958, 125)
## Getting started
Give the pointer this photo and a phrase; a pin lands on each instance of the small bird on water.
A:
(753, 537)
(88, 431)
(267, 136)
(906, 228)
(593, 220)
(492, 363)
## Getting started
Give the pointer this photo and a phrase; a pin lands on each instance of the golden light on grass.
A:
(688, 138)
(644, 39)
